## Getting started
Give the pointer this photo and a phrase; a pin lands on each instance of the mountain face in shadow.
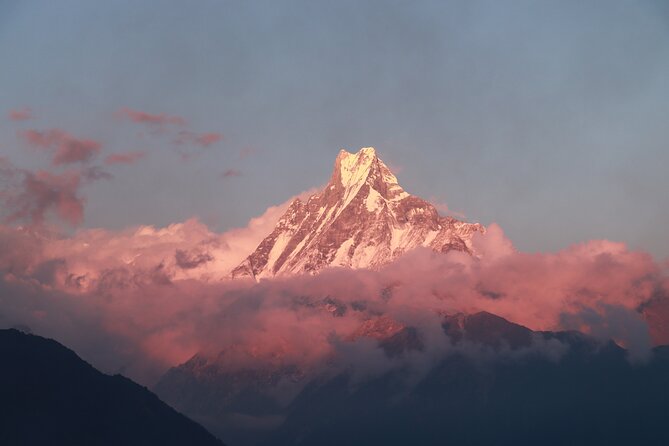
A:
(591, 395)
(50, 396)
(500, 384)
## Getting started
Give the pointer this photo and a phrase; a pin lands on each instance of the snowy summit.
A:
(362, 219)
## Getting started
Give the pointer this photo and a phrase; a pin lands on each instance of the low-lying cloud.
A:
(144, 299)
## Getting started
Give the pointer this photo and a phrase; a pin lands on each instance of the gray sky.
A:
(549, 118)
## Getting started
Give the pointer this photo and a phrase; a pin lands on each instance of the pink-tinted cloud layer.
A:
(147, 298)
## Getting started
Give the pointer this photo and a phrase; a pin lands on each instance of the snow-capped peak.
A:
(362, 219)
(352, 170)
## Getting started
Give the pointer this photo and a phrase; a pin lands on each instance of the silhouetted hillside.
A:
(50, 396)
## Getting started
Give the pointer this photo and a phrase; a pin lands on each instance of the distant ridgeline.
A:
(503, 384)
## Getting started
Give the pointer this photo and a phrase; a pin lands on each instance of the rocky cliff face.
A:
(362, 219)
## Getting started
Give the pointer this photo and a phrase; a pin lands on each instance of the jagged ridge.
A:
(362, 219)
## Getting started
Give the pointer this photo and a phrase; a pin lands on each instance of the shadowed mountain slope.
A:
(498, 384)
(50, 396)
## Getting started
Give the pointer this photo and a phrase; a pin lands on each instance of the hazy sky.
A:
(549, 118)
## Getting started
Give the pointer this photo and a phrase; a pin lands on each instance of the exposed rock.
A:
(362, 219)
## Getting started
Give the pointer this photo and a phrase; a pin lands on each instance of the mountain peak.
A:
(352, 167)
(362, 219)
(354, 170)
(364, 151)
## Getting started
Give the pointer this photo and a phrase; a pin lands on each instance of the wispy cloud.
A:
(198, 139)
(65, 148)
(125, 158)
(23, 114)
(231, 173)
(34, 194)
(444, 209)
(246, 152)
(153, 119)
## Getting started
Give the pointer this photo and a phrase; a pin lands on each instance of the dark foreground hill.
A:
(50, 396)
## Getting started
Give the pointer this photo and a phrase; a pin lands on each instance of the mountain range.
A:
(502, 384)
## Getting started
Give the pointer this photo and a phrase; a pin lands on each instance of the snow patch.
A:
(374, 201)
(341, 257)
(278, 247)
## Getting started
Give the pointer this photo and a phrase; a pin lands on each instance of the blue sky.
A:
(549, 118)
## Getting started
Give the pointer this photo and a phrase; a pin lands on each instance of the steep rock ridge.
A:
(362, 219)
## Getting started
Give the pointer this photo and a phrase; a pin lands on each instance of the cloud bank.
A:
(142, 300)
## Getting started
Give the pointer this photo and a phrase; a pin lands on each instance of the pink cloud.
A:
(94, 173)
(23, 114)
(93, 251)
(141, 117)
(246, 152)
(230, 173)
(207, 139)
(44, 192)
(444, 209)
(124, 158)
(160, 295)
(158, 126)
(66, 148)
(202, 140)
(32, 197)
